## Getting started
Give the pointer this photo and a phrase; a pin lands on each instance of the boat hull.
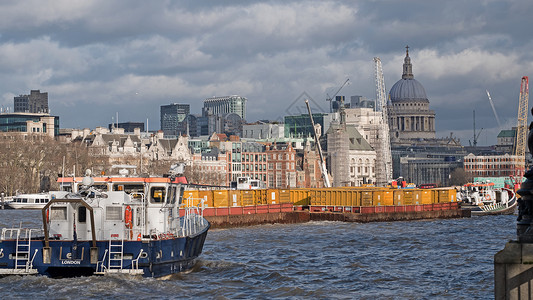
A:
(68, 258)
(476, 210)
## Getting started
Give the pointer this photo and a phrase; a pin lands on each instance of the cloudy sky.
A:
(97, 58)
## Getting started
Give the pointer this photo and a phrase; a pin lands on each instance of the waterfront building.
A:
(254, 161)
(35, 102)
(281, 164)
(225, 105)
(209, 167)
(173, 119)
(490, 165)
(409, 113)
(423, 170)
(27, 124)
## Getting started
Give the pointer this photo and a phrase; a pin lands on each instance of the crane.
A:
(322, 162)
(494, 110)
(521, 129)
(476, 136)
(384, 159)
(334, 95)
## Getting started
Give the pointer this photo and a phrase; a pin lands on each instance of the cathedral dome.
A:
(408, 88)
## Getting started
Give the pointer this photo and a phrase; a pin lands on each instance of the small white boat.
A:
(34, 201)
(482, 198)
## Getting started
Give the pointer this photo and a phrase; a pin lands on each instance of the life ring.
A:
(128, 217)
(139, 237)
(487, 197)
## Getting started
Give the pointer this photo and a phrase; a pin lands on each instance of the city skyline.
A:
(96, 59)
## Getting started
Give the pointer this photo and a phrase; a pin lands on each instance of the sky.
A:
(100, 59)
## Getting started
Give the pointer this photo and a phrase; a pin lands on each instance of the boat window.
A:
(24, 200)
(157, 194)
(82, 214)
(113, 213)
(171, 195)
(129, 188)
(58, 213)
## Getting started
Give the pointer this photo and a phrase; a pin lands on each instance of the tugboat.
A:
(128, 225)
(482, 198)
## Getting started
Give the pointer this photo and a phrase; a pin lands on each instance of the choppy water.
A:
(435, 259)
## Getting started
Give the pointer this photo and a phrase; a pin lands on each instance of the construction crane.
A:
(521, 129)
(476, 136)
(334, 95)
(322, 161)
(494, 110)
(384, 159)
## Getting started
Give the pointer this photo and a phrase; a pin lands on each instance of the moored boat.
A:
(136, 226)
(33, 201)
(481, 198)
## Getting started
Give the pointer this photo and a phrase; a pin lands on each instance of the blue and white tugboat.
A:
(128, 225)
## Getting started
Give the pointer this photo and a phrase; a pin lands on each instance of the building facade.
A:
(173, 118)
(263, 131)
(225, 105)
(29, 124)
(35, 102)
(491, 165)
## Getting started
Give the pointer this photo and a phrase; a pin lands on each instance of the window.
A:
(82, 214)
(157, 194)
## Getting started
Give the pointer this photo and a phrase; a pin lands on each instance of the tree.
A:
(460, 177)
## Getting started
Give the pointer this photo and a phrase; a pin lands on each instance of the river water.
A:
(431, 259)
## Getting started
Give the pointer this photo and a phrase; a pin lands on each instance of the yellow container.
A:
(423, 196)
(366, 198)
(190, 198)
(207, 196)
(446, 195)
(382, 197)
(284, 196)
(247, 197)
(408, 197)
(353, 198)
(318, 197)
(220, 198)
(300, 196)
(234, 198)
(260, 197)
(273, 196)
(398, 197)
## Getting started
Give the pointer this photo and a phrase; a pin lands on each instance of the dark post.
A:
(524, 229)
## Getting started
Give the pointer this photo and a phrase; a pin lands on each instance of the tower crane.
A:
(322, 161)
(334, 95)
(384, 159)
(521, 129)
